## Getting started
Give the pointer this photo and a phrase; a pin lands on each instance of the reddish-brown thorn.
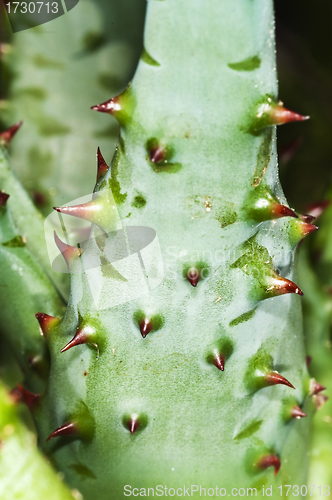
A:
(281, 115)
(297, 412)
(281, 286)
(3, 198)
(219, 361)
(109, 106)
(24, 396)
(193, 276)
(315, 387)
(68, 429)
(145, 327)
(133, 424)
(270, 461)
(102, 165)
(81, 337)
(45, 322)
(282, 211)
(157, 154)
(86, 211)
(307, 228)
(291, 287)
(274, 378)
(7, 135)
(69, 253)
(307, 218)
(308, 360)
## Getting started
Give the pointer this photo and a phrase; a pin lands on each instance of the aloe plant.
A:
(200, 379)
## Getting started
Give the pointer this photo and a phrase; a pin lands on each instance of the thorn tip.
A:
(102, 165)
(297, 412)
(82, 336)
(145, 327)
(270, 461)
(193, 276)
(68, 429)
(280, 115)
(274, 378)
(283, 211)
(7, 135)
(315, 387)
(110, 106)
(3, 198)
(69, 253)
(22, 395)
(219, 362)
(46, 322)
(133, 424)
(278, 285)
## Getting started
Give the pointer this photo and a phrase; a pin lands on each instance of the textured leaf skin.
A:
(198, 424)
(25, 287)
(26, 220)
(24, 472)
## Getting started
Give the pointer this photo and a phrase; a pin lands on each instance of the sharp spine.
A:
(82, 336)
(193, 276)
(101, 210)
(7, 135)
(279, 211)
(157, 154)
(307, 228)
(111, 106)
(315, 387)
(3, 198)
(20, 394)
(297, 412)
(280, 115)
(68, 429)
(133, 424)
(274, 378)
(219, 361)
(307, 218)
(270, 461)
(102, 165)
(280, 286)
(69, 252)
(46, 322)
(145, 327)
